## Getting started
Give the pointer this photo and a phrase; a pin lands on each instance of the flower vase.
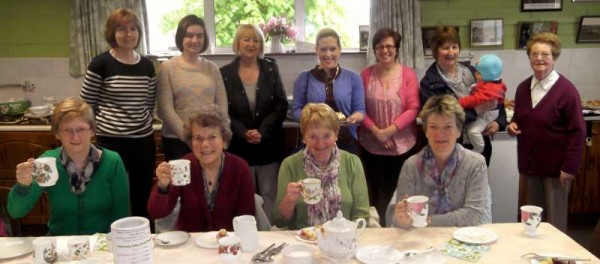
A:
(276, 46)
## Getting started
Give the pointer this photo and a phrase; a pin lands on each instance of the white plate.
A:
(11, 247)
(32, 115)
(209, 240)
(475, 235)
(173, 238)
(368, 254)
(551, 255)
(298, 237)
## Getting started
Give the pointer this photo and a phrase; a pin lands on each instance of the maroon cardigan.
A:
(553, 133)
(235, 197)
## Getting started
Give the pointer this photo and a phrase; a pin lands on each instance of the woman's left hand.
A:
(491, 129)
(253, 136)
(566, 178)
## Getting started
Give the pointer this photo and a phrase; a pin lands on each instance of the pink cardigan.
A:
(408, 93)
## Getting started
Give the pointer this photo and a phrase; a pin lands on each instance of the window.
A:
(223, 17)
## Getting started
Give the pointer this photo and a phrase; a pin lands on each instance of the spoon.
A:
(164, 242)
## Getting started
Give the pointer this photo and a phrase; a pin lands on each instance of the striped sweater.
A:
(122, 96)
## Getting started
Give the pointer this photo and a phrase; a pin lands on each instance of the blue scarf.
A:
(428, 166)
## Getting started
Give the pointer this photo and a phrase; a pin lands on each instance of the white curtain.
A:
(88, 18)
(404, 16)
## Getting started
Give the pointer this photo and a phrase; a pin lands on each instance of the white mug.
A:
(311, 190)
(44, 171)
(531, 216)
(79, 248)
(229, 249)
(180, 172)
(418, 208)
(44, 250)
(245, 228)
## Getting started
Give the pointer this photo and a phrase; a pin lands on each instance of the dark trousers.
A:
(382, 174)
(139, 157)
(173, 148)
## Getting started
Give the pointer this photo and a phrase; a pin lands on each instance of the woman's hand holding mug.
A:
(25, 172)
(163, 173)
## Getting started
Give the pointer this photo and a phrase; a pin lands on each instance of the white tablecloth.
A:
(511, 244)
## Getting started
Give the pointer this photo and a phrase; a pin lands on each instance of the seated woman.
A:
(341, 173)
(220, 187)
(454, 178)
(92, 189)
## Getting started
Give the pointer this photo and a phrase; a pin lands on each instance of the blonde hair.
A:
(209, 116)
(547, 38)
(318, 115)
(444, 105)
(248, 30)
(328, 32)
(69, 109)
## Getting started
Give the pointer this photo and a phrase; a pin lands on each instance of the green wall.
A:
(40, 28)
(34, 28)
(460, 12)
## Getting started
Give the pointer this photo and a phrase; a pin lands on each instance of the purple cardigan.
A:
(553, 133)
(235, 197)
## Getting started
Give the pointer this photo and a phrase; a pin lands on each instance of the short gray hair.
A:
(209, 116)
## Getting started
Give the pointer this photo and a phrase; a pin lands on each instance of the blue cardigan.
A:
(348, 93)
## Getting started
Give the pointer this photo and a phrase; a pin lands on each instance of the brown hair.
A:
(444, 105)
(318, 115)
(119, 17)
(69, 109)
(186, 22)
(546, 38)
(248, 30)
(384, 33)
(328, 32)
(209, 116)
(442, 35)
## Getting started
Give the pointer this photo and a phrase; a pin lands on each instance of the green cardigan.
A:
(352, 182)
(105, 199)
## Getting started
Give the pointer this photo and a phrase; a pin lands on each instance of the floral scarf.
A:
(331, 202)
(427, 165)
(461, 83)
(78, 180)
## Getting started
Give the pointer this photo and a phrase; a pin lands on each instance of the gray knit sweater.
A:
(469, 191)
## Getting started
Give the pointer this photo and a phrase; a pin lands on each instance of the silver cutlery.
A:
(164, 242)
(258, 256)
(268, 257)
(538, 256)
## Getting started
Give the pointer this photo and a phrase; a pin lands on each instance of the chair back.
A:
(35, 223)
(262, 221)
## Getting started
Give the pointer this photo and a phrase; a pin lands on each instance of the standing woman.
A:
(449, 76)
(185, 83)
(120, 85)
(257, 108)
(550, 131)
(388, 133)
(340, 88)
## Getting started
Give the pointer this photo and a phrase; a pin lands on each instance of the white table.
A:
(511, 244)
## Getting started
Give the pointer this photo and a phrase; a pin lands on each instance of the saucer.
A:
(171, 239)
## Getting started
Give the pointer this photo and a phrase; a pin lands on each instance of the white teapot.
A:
(338, 236)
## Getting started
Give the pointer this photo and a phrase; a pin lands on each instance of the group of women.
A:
(241, 108)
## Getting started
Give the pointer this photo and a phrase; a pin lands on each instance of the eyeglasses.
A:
(383, 47)
(544, 55)
(78, 131)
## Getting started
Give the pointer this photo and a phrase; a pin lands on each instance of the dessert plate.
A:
(475, 235)
(209, 240)
(12, 247)
(171, 239)
(303, 239)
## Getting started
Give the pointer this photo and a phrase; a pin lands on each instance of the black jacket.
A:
(270, 111)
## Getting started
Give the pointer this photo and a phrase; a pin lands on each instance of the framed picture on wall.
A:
(427, 34)
(486, 32)
(541, 5)
(528, 29)
(589, 30)
(364, 37)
